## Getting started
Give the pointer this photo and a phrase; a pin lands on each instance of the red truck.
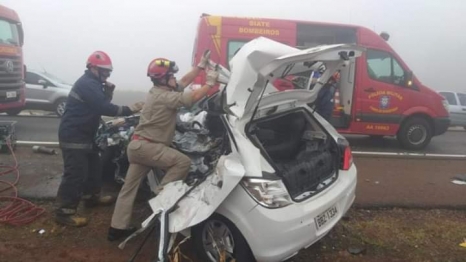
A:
(12, 70)
(380, 97)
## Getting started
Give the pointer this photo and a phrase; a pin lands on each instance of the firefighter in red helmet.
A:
(88, 100)
(150, 146)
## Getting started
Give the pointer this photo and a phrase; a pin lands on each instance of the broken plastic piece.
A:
(459, 182)
(356, 250)
(461, 177)
(44, 150)
(463, 244)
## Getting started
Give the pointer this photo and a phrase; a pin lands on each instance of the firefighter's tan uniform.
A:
(150, 147)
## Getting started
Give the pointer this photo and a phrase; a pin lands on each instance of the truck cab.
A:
(12, 70)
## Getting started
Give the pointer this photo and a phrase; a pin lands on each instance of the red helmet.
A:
(99, 59)
(161, 67)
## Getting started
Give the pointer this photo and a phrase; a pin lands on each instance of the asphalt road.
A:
(33, 128)
(45, 129)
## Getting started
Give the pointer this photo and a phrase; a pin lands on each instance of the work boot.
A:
(115, 234)
(97, 200)
(71, 220)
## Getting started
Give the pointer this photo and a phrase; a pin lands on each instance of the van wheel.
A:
(218, 238)
(415, 134)
(60, 105)
(14, 112)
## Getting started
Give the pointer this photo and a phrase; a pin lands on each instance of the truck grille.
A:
(11, 73)
(11, 78)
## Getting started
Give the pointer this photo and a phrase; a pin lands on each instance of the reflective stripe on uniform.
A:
(75, 146)
(75, 96)
(67, 211)
(120, 111)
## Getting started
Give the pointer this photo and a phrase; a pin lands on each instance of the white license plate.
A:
(328, 215)
(10, 94)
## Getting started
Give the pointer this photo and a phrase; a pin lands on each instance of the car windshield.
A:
(8, 33)
(56, 79)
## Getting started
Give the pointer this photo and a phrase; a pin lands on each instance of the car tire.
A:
(60, 106)
(415, 133)
(235, 245)
(14, 112)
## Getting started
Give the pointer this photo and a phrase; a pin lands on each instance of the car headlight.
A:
(446, 105)
(268, 193)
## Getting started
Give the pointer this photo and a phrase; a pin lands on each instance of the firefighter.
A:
(150, 145)
(88, 100)
(324, 102)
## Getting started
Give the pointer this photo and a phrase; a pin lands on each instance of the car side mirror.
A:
(43, 83)
(409, 79)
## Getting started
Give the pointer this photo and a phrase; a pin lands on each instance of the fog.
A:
(60, 35)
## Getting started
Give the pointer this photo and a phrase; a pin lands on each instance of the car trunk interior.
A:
(303, 154)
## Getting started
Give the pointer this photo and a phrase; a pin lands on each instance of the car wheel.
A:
(415, 133)
(60, 105)
(14, 112)
(217, 239)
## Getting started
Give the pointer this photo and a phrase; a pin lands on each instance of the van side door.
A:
(381, 93)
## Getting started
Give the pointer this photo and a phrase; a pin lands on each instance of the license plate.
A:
(322, 219)
(10, 94)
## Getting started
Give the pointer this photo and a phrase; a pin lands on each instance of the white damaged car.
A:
(281, 177)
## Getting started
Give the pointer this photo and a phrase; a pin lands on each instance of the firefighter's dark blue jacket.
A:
(85, 105)
(324, 101)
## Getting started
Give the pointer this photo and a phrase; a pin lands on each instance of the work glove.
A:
(117, 122)
(211, 78)
(110, 86)
(136, 107)
(204, 60)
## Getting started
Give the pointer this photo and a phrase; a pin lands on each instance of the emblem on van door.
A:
(9, 66)
(384, 102)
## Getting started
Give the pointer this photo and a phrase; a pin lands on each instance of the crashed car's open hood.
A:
(262, 60)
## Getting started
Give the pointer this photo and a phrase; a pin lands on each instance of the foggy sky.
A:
(429, 35)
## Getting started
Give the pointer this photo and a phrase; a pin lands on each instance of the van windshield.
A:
(233, 47)
(8, 33)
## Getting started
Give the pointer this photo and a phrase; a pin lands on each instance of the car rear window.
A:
(462, 98)
(450, 97)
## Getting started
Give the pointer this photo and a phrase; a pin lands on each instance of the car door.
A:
(36, 93)
(462, 109)
(454, 108)
(381, 96)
